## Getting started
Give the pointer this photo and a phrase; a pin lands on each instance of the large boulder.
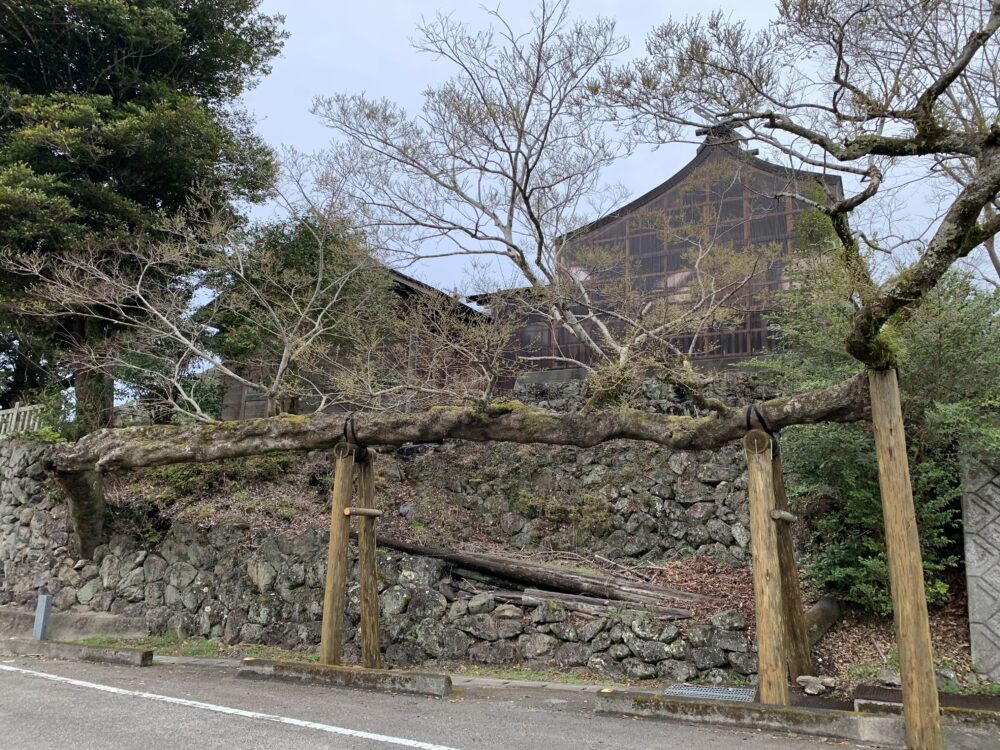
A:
(498, 652)
(730, 619)
(536, 645)
(571, 655)
(481, 627)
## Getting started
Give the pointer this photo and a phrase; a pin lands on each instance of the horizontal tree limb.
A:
(118, 449)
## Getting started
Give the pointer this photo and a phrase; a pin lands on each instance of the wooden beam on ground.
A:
(557, 579)
(921, 713)
(367, 573)
(366, 512)
(582, 603)
(332, 633)
(767, 584)
(796, 644)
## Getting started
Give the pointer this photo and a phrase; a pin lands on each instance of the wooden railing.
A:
(20, 419)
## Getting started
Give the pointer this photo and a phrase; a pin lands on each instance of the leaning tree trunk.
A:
(125, 448)
(133, 447)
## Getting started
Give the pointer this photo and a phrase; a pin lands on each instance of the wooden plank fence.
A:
(20, 419)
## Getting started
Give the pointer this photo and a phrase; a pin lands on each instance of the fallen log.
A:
(566, 581)
(820, 617)
(480, 576)
(594, 608)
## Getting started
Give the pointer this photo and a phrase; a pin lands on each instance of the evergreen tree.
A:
(114, 114)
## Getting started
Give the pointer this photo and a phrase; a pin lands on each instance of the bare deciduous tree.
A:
(287, 311)
(503, 161)
(892, 95)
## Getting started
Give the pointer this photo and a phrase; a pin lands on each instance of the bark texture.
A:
(132, 447)
(586, 586)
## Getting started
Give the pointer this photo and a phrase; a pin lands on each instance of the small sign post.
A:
(42, 612)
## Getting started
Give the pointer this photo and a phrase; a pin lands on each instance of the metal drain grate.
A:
(736, 694)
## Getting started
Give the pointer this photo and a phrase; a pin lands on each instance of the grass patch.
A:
(170, 644)
(984, 688)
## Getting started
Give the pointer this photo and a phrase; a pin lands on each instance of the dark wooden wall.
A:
(732, 192)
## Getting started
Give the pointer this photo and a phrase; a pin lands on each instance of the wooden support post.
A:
(796, 643)
(766, 570)
(332, 635)
(921, 714)
(368, 574)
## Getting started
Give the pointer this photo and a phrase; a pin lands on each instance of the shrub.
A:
(833, 466)
(949, 365)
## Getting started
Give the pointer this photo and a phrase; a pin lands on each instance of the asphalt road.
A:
(75, 706)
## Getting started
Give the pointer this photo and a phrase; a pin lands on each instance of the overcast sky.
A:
(338, 46)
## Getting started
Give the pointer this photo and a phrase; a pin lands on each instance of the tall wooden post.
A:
(922, 716)
(367, 573)
(796, 642)
(331, 639)
(766, 570)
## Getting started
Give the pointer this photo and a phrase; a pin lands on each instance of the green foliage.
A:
(113, 111)
(147, 376)
(834, 477)
(140, 519)
(113, 114)
(135, 50)
(297, 266)
(171, 644)
(614, 385)
(56, 420)
(200, 480)
(949, 364)
(207, 390)
(57, 411)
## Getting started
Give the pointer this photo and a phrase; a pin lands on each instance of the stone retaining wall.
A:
(199, 582)
(619, 500)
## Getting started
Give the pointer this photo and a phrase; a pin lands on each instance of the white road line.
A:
(231, 711)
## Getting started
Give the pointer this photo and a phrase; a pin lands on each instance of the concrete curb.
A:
(65, 626)
(131, 657)
(963, 729)
(820, 722)
(418, 683)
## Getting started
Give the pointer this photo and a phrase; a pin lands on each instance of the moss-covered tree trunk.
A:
(512, 422)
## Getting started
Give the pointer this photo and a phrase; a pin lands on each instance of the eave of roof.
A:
(409, 285)
(705, 151)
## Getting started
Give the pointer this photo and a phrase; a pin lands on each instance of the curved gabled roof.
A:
(706, 151)
(709, 149)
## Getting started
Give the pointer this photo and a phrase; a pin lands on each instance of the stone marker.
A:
(42, 612)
